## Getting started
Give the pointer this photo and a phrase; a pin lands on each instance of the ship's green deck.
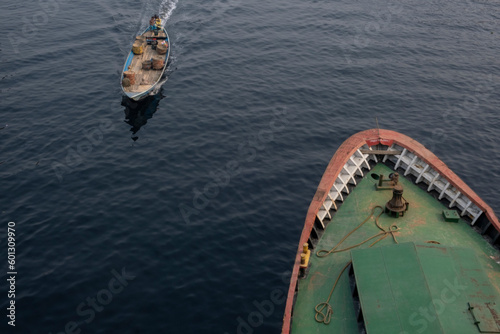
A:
(421, 223)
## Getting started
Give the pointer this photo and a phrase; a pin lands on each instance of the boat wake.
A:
(166, 8)
(157, 88)
(160, 83)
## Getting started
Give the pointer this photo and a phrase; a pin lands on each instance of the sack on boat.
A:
(162, 48)
(137, 48)
(130, 75)
(140, 39)
(126, 82)
(158, 63)
(146, 65)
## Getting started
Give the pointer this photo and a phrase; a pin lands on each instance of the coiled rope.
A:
(322, 315)
(327, 316)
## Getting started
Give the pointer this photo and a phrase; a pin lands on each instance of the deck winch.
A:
(397, 205)
(384, 184)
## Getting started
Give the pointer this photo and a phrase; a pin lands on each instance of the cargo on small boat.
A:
(147, 61)
(394, 242)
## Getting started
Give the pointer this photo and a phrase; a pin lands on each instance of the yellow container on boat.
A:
(137, 49)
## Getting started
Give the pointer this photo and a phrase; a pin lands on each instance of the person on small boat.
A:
(152, 23)
(155, 23)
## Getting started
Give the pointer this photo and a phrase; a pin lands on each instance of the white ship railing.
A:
(411, 164)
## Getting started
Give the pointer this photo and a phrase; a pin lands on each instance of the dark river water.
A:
(182, 214)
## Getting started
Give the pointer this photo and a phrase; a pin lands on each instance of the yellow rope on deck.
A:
(326, 317)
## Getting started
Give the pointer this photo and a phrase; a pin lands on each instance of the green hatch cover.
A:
(424, 288)
(485, 316)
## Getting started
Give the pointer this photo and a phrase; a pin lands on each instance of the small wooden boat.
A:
(146, 62)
